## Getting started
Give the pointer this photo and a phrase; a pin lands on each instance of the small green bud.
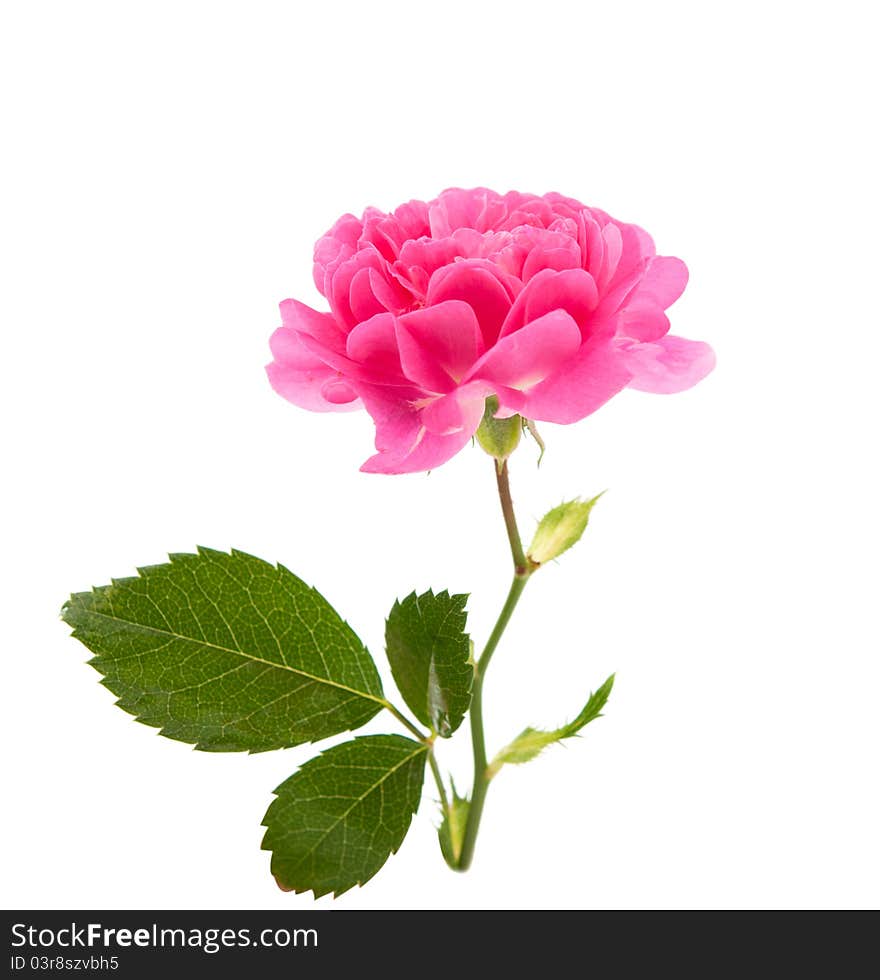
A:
(499, 437)
(451, 831)
(559, 529)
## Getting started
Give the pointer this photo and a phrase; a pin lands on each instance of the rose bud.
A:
(559, 529)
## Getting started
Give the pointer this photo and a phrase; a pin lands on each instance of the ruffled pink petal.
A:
(456, 208)
(380, 231)
(411, 220)
(304, 379)
(478, 284)
(669, 364)
(527, 210)
(373, 345)
(613, 250)
(540, 258)
(524, 358)
(427, 255)
(662, 282)
(642, 323)
(370, 355)
(361, 297)
(637, 250)
(439, 344)
(390, 292)
(339, 393)
(405, 445)
(338, 244)
(340, 294)
(566, 206)
(591, 243)
(572, 290)
(579, 387)
(304, 320)
(460, 409)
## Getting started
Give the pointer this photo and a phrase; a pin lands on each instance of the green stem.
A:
(523, 568)
(438, 779)
(401, 717)
(521, 564)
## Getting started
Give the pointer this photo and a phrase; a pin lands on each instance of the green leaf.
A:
(532, 741)
(430, 653)
(228, 652)
(451, 832)
(336, 821)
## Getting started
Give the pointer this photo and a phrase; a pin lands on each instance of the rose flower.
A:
(549, 305)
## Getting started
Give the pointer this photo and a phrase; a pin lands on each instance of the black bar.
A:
(415, 944)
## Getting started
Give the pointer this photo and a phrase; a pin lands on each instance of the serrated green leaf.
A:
(334, 823)
(451, 830)
(429, 652)
(227, 652)
(532, 741)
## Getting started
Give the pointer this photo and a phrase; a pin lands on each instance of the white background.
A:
(167, 169)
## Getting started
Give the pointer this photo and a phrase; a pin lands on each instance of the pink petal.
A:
(405, 445)
(304, 379)
(669, 364)
(642, 323)
(510, 402)
(438, 344)
(457, 208)
(460, 409)
(303, 319)
(370, 355)
(578, 388)
(377, 225)
(524, 358)
(428, 254)
(591, 243)
(572, 290)
(287, 349)
(333, 248)
(340, 294)
(476, 283)
(340, 362)
(373, 344)
(619, 294)
(662, 282)
(412, 220)
(638, 249)
(540, 258)
(338, 392)
(412, 278)
(613, 242)
(390, 292)
(362, 299)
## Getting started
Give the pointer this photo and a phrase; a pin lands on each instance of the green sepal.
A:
(498, 437)
(451, 830)
(532, 741)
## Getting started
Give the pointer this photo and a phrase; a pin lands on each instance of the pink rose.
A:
(549, 305)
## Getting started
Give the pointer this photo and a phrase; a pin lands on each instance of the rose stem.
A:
(522, 569)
